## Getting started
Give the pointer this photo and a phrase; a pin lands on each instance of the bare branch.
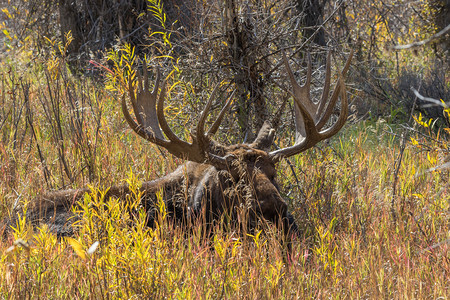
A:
(424, 42)
(428, 99)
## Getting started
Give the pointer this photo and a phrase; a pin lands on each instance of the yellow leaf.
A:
(420, 121)
(77, 247)
(414, 141)
(7, 13)
(6, 33)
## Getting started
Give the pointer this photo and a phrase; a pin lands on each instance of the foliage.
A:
(374, 27)
(59, 130)
(155, 7)
(432, 140)
(385, 76)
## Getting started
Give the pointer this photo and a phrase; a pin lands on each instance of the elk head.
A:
(242, 175)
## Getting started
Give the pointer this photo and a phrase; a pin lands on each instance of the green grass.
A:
(353, 245)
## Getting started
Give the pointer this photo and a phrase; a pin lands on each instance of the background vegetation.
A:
(372, 203)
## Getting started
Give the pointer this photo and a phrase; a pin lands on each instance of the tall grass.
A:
(60, 131)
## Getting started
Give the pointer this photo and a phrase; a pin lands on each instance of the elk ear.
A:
(265, 138)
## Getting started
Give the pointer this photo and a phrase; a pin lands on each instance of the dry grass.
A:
(353, 245)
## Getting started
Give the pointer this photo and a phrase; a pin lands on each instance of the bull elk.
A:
(215, 178)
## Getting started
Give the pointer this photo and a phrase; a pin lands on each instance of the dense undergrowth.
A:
(374, 224)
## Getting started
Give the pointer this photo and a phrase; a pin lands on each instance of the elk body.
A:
(216, 179)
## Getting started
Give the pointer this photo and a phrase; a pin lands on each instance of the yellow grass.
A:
(359, 239)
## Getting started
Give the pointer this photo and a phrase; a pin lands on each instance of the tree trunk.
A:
(251, 106)
(313, 11)
(68, 20)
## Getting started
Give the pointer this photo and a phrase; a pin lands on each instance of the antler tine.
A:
(326, 88)
(133, 99)
(146, 85)
(302, 92)
(342, 115)
(330, 104)
(162, 119)
(158, 77)
(200, 131)
(307, 126)
(303, 140)
(215, 126)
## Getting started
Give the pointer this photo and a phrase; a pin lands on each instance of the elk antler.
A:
(151, 124)
(311, 117)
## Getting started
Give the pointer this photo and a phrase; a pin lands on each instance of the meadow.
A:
(373, 217)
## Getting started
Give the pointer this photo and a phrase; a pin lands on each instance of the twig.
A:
(428, 99)
(424, 42)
